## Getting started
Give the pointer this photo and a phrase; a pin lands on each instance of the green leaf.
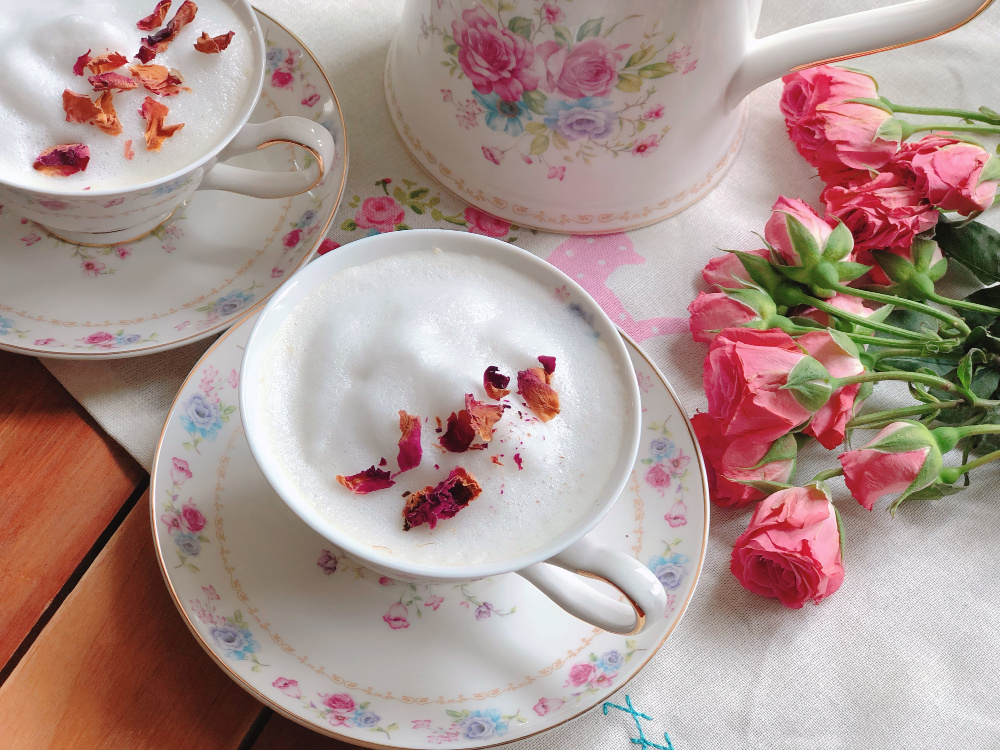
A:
(590, 28)
(890, 130)
(656, 70)
(392, 727)
(975, 245)
(913, 321)
(629, 83)
(450, 47)
(965, 369)
(520, 26)
(645, 54)
(419, 193)
(563, 36)
(535, 101)
(436, 214)
(985, 381)
(989, 296)
(536, 128)
(560, 142)
(402, 227)
(453, 714)
(399, 194)
(539, 144)
(914, 364)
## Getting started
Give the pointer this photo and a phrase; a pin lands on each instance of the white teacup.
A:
(116, 215)
(546, 565)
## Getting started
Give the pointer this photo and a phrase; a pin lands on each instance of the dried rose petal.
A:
(410, 451)
(495, 383)
(369, 480)
(79, 107)
(108, 120)
(155, 18)
(106, 63)
(129, 152)
(156, 132)
(210, 44)
(483, 416)
(81, 63)
(158, 79)
(431, 504)
(549, 365)
(63, 160)
(154, 44)
(460, 433)
(541, 398)
(517, 460)
(382, 461)
(496, 459)
(108, 81)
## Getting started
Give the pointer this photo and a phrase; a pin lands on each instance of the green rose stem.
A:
(910, 304)
(905, 348)
(962, 304)
(828, 474)
(962, 114)
(951, 474)
(864, 322)
(909, 128)
(907, 351)
(883, 418)
(909, 377)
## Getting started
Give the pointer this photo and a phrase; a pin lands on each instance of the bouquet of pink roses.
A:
(799, 332)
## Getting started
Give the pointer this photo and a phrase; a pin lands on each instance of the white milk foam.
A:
(415, 331)
(39, 44)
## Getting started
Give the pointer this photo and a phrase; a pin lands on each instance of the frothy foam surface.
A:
(39, 44)
(415, 331)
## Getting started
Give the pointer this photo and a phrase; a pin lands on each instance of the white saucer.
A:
(217, 257)
(382, 663)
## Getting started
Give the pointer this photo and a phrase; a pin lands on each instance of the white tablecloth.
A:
(903, 655)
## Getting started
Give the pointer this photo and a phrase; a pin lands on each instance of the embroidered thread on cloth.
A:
(641, 739)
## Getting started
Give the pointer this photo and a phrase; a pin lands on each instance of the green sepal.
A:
(803, 242)
(933, 492)
(760, 271)
(935, 272)
(922, 251)
(800, 274)
(839, 244)
(910, 438)
(756, 300)
(891, 130)
(840, 531)
(991, 171)
(844, 342)
(809, 382)
(849, 270)
(783, 449)
(864, 393)
(768, 488)
(880, 102)
(897, 268)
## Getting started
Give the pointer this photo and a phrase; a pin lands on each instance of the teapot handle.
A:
(845, 37)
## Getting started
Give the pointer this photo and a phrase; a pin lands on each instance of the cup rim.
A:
(248, 106)
(364, 250)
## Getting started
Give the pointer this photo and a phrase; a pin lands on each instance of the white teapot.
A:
(593, 116)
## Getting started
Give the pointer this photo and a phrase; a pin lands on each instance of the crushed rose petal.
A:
(129, 152)
(81, 63)
(154, 19)
(63, 160)
(106, 63)
(540, 397)
(79, 108)
(517, 460)
(496, 459)
(108, 81)
(482, 416)
(495, 383)
(460, 433)
(156, 132)
(159, 79)
(410, 451)
(211, 44)
(382, 461)
(548, 364)
(432, 504)
(154, 44)
(108, 120)
(369, 480)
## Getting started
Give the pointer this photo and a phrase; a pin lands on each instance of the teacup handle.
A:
(842, 38)
(298, 131)
(647, 601)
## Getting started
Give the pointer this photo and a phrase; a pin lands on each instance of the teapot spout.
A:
(845, 37)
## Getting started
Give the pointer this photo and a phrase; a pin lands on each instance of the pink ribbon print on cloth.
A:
(590, 261)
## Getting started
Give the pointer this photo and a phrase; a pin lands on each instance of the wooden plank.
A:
(61, 482)
(117, 667)
(283, 734)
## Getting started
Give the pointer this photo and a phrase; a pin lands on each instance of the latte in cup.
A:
(40, 43)
(415, 332)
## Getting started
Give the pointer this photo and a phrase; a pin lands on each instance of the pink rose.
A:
(744, 375)
(590, 69)
(712, 312)
(338, 720)
(494, 58)
(646, 146)
(658, 477)
(791, 550)
(339, 702)
(829, 424)
(293, 238)
(172, 521)
(281, 79)
(381, 213)
(101, 337)
(180, 472)
(193, 518)
(545, 705)
(288, 687)
(946, 172)
(480, 222)
(493, 154)
(654, 113)
(557, 173)
(727, 270)
(829, 131)
(327, 245)
(677, 515)
(581, 674)
(552, 14)
(903, 457)
(395, 618)
(776, 229)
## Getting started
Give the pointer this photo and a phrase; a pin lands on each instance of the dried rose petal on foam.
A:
(495, 383)
(155, 18)
(63, 160)
(108, 81)
(432, 504)
(210, 44)
(159, 79)
(81, 63)
(154, 44)
(79, 107)
(460, 433)
(108, 119)
(129, 152)
(106, 63)
(541, 398)
(549, 365)
(369, 480)
(483, 416)
(410, 451)
(156, 132)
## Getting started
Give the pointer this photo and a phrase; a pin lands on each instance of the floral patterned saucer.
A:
(379, 662)
(217, 257)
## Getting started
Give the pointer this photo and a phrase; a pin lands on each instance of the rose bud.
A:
(838, 354)
(832, 132)
(952, 174)
(713, 311)
(791, 549)
(728, 272)
(780, 235)
(910, 273)
(904, 457)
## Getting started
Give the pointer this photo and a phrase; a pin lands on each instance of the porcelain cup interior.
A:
(362, 251)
